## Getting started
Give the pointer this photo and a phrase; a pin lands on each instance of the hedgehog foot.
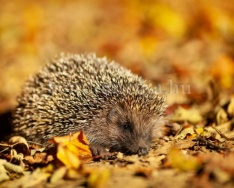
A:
(99, 151)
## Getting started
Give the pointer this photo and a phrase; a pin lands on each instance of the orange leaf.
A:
(181, 161)
(223, 71)
(74, 145)
(68, 138)
(67, 157)
(98, 178)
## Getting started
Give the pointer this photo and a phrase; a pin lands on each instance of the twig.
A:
(222, 135)
(179, 131)
(210, 144)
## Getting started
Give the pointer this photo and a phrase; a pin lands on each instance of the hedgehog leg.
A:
(99, 151)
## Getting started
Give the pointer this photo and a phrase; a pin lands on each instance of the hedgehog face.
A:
(130, 131)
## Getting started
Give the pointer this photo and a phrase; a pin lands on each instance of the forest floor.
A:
(185, 49)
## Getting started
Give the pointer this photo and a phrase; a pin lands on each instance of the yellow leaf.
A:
(230, 109)
(71, 147)
(98, 179)
(221, 116)
(185, 132)
(168, 19)
(58, 174)
(68, 138)
(148, 45)
(67, 157)
(223, 71)
(181, 161)
(181, 114)
(199, 130)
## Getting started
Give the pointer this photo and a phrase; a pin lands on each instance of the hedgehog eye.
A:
(126, 126)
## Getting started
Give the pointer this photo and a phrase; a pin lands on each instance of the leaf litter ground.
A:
(191, 155)
(192, 57)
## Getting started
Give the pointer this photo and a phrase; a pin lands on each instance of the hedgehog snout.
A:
(141, 148)
(142, 151)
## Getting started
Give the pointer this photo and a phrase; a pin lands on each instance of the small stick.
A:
(222, 135)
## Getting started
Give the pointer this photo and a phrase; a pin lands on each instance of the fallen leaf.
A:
(223, 71)
(181, 114)
(58, 174)
(199, 130)
(12, 167)
(68, 138)
(185, 144)
(98, 179)
(20, 144)
(76, 145)
(18, 139)
(230, 108)
(39, 158)
(30, 179)
(67, 157)
(185, 132)
(221, 116)
(181, 161)
(3, 173)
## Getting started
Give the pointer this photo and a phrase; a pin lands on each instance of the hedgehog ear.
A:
(116, 111)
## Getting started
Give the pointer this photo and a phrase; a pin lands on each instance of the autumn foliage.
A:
(183, 47)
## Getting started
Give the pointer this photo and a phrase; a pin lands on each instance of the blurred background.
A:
(184, 41)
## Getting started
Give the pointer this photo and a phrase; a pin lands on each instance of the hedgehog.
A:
(117, 110)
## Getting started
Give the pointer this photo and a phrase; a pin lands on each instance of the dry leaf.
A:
(20, 144)
(77, 144)
(73, 149)
(18, 139)
(223, 71)
(30, 179)
(221, 116)
(67, 157)
(12, 167)
(181, 114)
(199, 130)
(230, 108)
(3, 172)
(58, 174)
(185, 144)
(181, 161)
(98, 179)
(183, 134)
(39, 158)
(68, 138)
